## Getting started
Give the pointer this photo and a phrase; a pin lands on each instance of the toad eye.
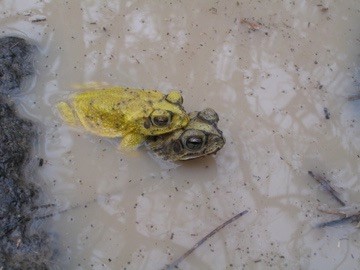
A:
(194, 143)
(161, 118)
(161, 121)
(193, 139)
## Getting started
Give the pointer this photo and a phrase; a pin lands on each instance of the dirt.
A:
(23, 243)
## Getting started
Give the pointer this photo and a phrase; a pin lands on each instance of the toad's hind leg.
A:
(67, 114)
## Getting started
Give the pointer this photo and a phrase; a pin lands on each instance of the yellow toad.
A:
(114, 111)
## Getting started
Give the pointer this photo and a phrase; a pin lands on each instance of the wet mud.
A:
(23, 245)
(16, 63)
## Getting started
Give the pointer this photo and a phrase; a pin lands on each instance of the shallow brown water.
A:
(270, 88)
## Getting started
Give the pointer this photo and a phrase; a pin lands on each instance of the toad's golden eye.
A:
(161, 118)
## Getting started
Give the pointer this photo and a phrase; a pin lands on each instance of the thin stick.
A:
(352, 218)
(326, 185)
(187, 253)
(352, 98)
(73, 207)
(252, 25)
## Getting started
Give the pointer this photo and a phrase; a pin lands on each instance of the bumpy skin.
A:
(199, 138)
(123, 112)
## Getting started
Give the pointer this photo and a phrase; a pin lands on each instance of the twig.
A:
(252, 25)
(327, 113)
(349, 217)
(355, 97)
(38, 20)
(325, 183)
(187, 253)
(73, 207)
(352, 218)
(43, 206)
(344, 211)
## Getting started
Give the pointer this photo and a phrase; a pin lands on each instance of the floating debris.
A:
(349, 213)
(323, 8)
(326, 185)
(353, 98)
(199, 243)
(37, 18)
(251, 24)
(213, 10)
(327, 113)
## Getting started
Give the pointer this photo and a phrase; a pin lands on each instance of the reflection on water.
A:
(270, 88)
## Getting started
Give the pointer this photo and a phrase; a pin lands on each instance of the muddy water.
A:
(270, 87)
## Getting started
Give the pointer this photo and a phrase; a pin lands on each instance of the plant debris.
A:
(213, 10)
(348, 213)
(353, 98)
(327, 113)
(199, 243)
(323, 8)
(251, 24)
(326, 185)
(37, 18)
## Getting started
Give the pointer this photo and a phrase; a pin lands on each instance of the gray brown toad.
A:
(199, 138)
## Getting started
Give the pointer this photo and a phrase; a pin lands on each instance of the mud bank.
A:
(23, 245)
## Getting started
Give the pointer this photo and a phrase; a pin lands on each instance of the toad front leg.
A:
(131, 141)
